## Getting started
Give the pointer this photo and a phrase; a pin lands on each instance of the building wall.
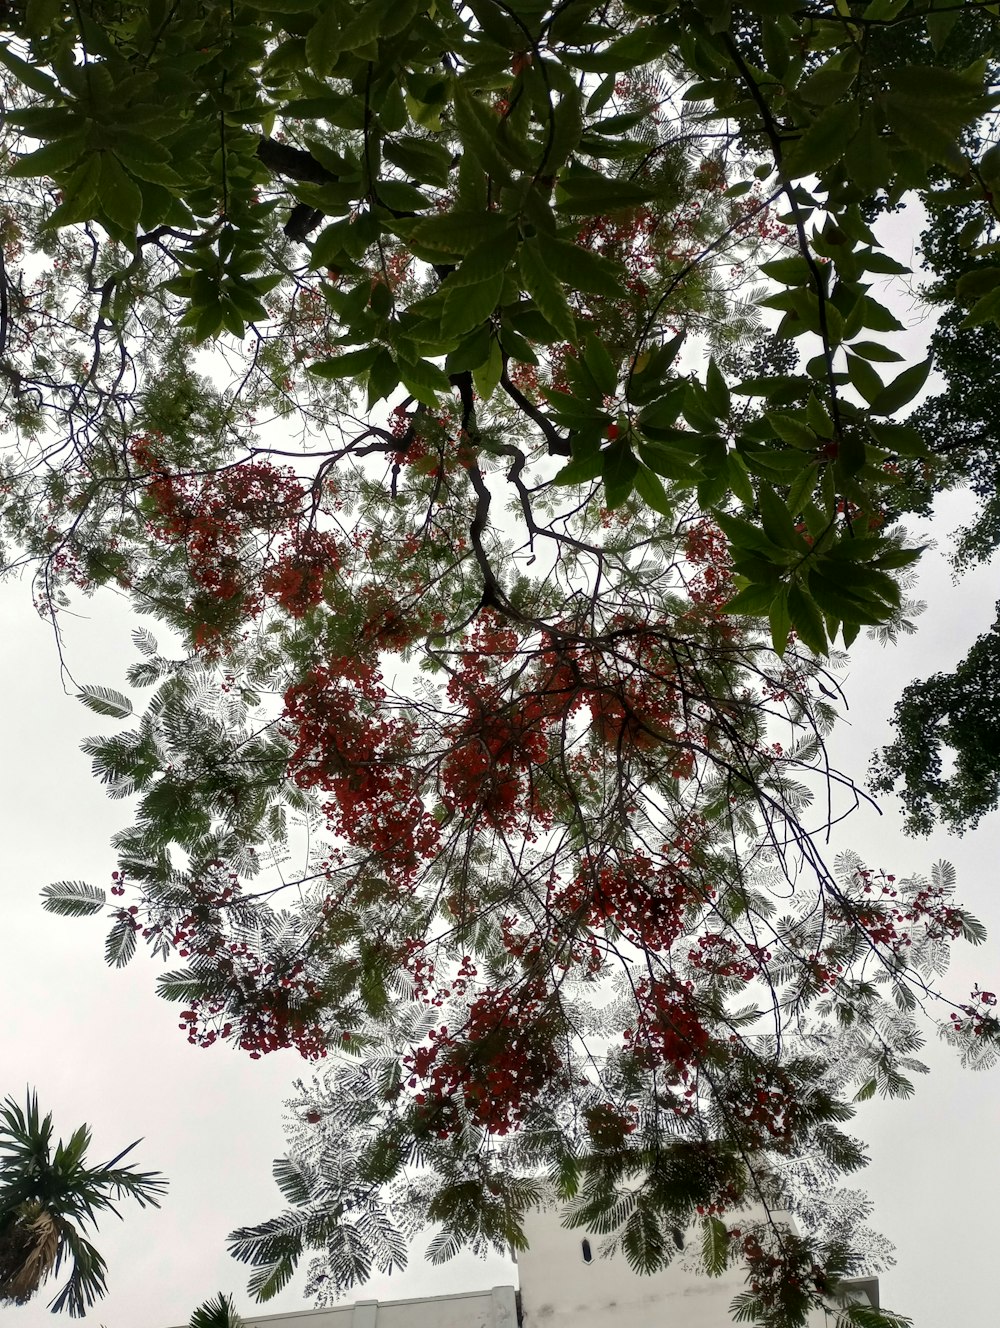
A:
(496, 1308)
(560, 1289)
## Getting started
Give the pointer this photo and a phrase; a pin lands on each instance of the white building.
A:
(563, 1284)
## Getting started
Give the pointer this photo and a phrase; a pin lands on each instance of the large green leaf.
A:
(545, 289)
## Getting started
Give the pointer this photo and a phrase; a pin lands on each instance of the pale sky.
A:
(100, 1047)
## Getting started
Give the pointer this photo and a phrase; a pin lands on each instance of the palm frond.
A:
(218, 1313)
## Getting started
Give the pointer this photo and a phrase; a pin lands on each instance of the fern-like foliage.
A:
(106, 701)
(73, 899)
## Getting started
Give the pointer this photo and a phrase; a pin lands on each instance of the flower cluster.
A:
(669, 1028)
(496, 1065)
(247, 532)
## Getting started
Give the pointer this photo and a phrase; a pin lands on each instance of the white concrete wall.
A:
(495, 1308)
(559, 1289)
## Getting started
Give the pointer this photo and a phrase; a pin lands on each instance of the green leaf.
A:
(486, 260)
(716, 391)
(459, 231)
(794, 271)
(828, 83)
(486, 376)
(323, 43)
(806, 620)
(582, 269)
(581, 469)
(874, 260)
(465, 307)
(423, 380)
(73, 899)
(780, 622)
(864, 378)
(878, 317)
(650, 489)
(120, 196)
(867, 161)
(383, 378)
(874, 350)
(986, 310)
(563, 130)
(398, 196)
(51, 159)
(824, 142)
(600, 365)
(929, 84)
(801, 488)
(105, 701)
(901, 391)
(754, 600)
(671, 465)
(980, 281)
(576, 412)
(29, 74)
(349, 364)
(715, 1246)
(619, 469)
(595, 195)
(745, 535)
(40, 15)
(791, 430)
(921, 129)
(423, 158)
(120, 944)
(839, 602)
(377, 19)
(479, 128)
(545, 289)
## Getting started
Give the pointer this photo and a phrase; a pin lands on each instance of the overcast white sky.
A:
(101, 1048)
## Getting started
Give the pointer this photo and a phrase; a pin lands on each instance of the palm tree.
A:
(47, 1198)
(220, 1313)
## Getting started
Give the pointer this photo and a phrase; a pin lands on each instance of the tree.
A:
(217, 1313)
(955, 711)
(48, 1198)
(486, 770)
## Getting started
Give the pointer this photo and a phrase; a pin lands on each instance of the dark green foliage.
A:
(48, 1196)
(948, 717)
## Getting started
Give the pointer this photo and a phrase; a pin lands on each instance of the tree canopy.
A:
(406, 361)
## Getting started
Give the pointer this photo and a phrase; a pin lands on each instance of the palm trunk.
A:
(28, 1249)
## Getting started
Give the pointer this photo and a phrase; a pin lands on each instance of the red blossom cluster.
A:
(976, 1017)
(608, 1126)
(721, 957)
(669, 1027)
(345, 746)
(247, 530)
(629, 685)
(501, 738)
(887, 914)
(626, 237)
(272, 1012)
(497, 1064)
(785, 1270)
(766, 1107)
(711, 588)
(422, 969)
(646, 901)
